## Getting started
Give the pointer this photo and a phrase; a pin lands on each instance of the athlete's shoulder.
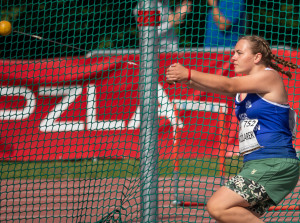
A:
(268, 73)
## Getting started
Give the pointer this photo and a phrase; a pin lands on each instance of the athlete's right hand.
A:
(177, 73)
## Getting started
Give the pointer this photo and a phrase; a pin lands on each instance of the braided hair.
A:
(260, 45)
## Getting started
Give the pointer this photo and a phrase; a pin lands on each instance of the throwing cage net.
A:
(90, 129)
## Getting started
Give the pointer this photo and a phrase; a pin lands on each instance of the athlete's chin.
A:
(238, 70)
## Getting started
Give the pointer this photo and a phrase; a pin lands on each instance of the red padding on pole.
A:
(273, 208)
(148, 18)
(190, 204)
(285, 208)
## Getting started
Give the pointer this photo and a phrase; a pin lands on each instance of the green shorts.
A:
(254, 193)
(276, 176)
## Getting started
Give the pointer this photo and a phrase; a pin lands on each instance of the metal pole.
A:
(148, 92)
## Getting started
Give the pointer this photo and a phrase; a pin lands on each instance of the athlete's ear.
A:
(257, 57)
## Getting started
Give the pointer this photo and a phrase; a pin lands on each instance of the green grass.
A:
(110, 168)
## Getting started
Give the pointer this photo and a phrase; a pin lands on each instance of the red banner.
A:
(89, 107)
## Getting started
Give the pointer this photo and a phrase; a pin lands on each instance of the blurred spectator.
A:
(169, 19)
(225, 22)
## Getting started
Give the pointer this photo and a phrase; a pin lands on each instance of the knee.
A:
(214, 210)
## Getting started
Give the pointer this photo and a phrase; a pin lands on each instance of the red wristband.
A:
(190, 74)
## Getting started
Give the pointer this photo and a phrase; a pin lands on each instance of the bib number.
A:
(247, 138)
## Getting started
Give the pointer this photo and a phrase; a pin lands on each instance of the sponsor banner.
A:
(89, 107)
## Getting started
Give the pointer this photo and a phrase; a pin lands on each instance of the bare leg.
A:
(227, 206)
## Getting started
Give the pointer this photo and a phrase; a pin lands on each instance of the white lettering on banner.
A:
(192, 105)
(135, 121)
(50, 123)
(18, 114)
(92, 123)
(166, 109)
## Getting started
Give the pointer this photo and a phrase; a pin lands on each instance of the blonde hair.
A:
(260, 45)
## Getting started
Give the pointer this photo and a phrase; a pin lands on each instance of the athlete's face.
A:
(243, 58)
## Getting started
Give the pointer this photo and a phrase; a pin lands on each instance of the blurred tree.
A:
(275, 20)
(84, 24)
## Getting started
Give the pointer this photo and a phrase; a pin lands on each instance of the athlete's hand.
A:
(177, 73)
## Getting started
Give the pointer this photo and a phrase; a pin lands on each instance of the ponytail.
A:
(260, 45)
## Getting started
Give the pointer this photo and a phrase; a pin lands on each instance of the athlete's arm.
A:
(263, 82)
